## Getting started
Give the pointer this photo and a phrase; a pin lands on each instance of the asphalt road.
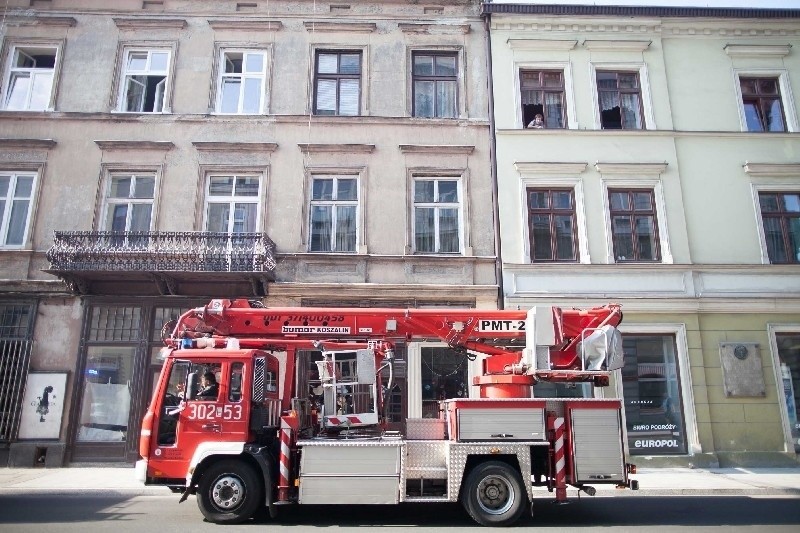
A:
(120, 512)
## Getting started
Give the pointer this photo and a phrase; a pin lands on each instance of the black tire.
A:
(494, 495)
(230, 492)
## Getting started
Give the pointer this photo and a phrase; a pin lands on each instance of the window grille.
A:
(16, 332)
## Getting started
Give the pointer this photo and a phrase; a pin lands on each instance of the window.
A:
(437, 215)
(129, 202)
(788, 347)
(551, 224)
(144, 81)
(435, 84)
(780, 216)
(334, 211)
(444, 375)
(29, 85)
(543, 98)
(16, 193)
(242, 82)
(337, 85)
(232, 204)
(634, 227)
(620, 99)
(761, 100)
(651, 388)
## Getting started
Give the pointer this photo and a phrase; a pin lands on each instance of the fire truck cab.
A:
(269, 434)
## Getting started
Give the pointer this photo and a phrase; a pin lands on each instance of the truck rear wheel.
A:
(494, 495)
(230, 492)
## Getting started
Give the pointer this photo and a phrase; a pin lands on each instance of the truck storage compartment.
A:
(350, 472)
(482, 423)
(597, 443)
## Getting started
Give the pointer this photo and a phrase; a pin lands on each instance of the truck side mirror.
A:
(192, 385)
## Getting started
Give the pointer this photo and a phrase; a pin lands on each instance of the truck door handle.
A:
(212, 427)
(503, 435)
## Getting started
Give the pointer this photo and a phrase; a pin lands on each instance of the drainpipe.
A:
(493, 160)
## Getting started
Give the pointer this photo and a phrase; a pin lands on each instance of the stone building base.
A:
(48, 454)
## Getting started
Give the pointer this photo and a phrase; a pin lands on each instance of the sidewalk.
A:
(652, 481)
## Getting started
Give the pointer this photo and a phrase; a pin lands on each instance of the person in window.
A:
(210, 388)
(537, 123)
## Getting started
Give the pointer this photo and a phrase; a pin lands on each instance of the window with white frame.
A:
(29, 78)
(16, 195)
(144, 80)
(337, 83)
(437, 215)
(129, 202)
(333, 214)
(232, 203)
(242, 81)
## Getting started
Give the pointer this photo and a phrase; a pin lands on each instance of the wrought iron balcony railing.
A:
(161, 251)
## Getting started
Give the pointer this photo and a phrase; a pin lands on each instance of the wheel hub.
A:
(495, 495)
(227, 492)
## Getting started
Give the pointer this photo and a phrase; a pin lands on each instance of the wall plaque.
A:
(742, 375)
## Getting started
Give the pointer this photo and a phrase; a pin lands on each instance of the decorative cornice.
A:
(549, 26)
(758, 50)
(135, 145)
(245, 24)
(67, 22)
(616, 46)
(136, 23)
(558, 45)
(331, 148)
(436, 148)
(16, 144)
(638, 169)
(211, 146)
(339, 27)
(549, 169)
(772, 169)
(433, 29)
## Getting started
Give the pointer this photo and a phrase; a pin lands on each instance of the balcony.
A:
(163, 263)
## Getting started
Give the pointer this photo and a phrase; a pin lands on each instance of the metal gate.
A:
(16, 341)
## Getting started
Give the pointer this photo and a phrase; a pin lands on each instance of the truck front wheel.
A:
(230, 492)
(494, 495)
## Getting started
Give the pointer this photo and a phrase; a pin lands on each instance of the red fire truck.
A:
(294, 410)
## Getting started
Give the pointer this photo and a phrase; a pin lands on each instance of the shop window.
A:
(444, 376)
(789, 359)
(653, 407)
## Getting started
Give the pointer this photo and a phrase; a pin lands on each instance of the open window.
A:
(144, 80)
(30, 78)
